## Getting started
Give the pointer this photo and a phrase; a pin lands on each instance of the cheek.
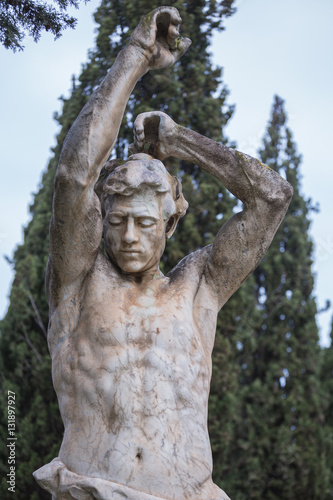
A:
(153, 243)
(157, 241)
(155, 236)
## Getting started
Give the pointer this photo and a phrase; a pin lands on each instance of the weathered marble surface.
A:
(131, 348)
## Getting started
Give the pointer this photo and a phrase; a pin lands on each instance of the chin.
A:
(132, 269)
(137, 268)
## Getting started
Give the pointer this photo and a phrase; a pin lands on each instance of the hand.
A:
(158, 130)
(157, 35)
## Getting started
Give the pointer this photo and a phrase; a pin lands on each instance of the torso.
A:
(131, 368)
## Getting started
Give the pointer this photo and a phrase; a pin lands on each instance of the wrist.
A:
(136, 57)
(185, 144)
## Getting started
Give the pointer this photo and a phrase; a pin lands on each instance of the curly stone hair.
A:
(120, 177)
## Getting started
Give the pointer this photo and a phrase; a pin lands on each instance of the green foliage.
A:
(21, 17)
(268, 415)
(278, 446)
(326, 379)
(24, 362)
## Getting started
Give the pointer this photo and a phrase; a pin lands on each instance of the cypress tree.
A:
(326, 379)
(278, 447)
(24, 360)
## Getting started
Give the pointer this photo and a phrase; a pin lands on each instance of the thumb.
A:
(182, 45)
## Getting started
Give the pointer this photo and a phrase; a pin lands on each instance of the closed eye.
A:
(115, 221)
(146, 222)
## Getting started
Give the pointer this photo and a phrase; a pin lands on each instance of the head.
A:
(141, 206)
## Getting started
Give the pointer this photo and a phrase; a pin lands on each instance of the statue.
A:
(130, 347)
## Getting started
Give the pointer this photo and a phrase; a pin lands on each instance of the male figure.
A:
(131, 348)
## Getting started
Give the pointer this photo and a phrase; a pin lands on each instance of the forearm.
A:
(93, 134)
(155, 43)
(245, 177)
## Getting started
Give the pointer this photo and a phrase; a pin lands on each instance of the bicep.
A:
(75, 229)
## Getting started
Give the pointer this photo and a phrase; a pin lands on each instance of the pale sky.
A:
(282, 47)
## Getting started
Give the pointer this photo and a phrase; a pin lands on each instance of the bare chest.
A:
(119, 318)
(139, 336)
(130, 347)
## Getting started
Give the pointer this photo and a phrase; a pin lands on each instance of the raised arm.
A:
(76, 226)
(244, 239)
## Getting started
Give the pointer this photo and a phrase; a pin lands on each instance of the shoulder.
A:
(191, 267)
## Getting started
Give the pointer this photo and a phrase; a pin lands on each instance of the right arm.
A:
(76, 225)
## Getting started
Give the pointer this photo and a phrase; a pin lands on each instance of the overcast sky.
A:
(282, 47)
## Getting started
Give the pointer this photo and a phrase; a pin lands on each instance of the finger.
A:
(181, 47)
(167, 21)
(145, 32)
(139, 135)
(170, 13)
(174, 16)
(139, 147)
(162, 17)
(139, 130)
(138, 143)
(173, 35)
(173, 29)
(139, 140)
(139, 125)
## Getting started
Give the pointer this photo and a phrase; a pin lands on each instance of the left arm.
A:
(241, 242)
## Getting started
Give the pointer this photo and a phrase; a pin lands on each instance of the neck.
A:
(144, 277)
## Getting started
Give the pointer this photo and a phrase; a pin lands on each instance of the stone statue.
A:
(131, 348)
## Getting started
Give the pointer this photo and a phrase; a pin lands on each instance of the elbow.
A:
(67, 179)
(275, 198)
(62, 177)
(279, 194)
(284, 195)
(290, 191)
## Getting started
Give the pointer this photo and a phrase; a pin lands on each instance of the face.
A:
(134, 232)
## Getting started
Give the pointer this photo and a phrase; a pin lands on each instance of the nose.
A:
(130, 235)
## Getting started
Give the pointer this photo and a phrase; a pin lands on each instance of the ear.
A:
(171, 226)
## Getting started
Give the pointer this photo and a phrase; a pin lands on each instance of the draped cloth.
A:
(66, 485)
